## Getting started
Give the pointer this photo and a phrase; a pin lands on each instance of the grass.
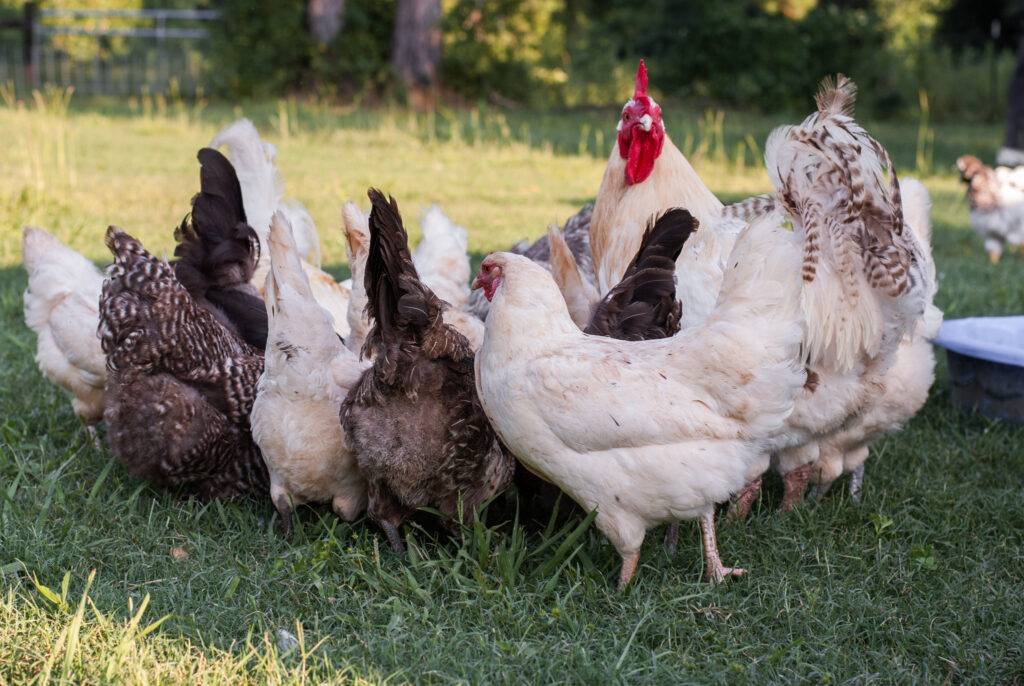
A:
(106, 579)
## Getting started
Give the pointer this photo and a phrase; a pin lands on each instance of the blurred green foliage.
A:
(767, 55)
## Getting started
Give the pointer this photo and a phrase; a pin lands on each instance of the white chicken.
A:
(866, 279)
(904, 388)
(263, 187)
(308, 372)
(645, 432)
(262, 195)
(62, 307)
(357, 247)
(996, 201)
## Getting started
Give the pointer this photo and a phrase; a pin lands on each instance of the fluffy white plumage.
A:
(262, 195)
(263, 187)
(652, 431)
(308, 372)
(442, 262)
(62, 308)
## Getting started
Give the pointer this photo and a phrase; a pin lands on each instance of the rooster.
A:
(180, 386)
(414, 419)
(996, 201)
(645, 432)
(62, 308)
(308, 371)
(865, 276)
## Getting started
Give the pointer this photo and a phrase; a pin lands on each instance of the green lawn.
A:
(922, 582)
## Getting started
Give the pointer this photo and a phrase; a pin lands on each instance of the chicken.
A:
(440, 260)
(443, 265)
(996, 201)
(262, 191)
(905, 386)
(357, 246)
(867, 280)
(414, 419)
(263, 187)
(576, 274)
(645, 432)
(180, 386)
(217, 251)
(645, 175)
(308, 371)
(643, 305)
(62, 308)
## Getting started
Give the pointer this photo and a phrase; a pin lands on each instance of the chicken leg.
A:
(284, 507)
(993, 256)
(794, 484)
(742, 501)
(629, 561)
(672, 538)
(856, 479)
(714, 572)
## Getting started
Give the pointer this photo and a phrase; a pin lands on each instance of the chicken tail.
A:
(643, 305)
(217, 250)
(865, 277)
(357, 246)
(285, 265)
(401, 307)
(579, 292)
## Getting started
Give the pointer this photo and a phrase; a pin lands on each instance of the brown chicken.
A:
(420, 434)
(180, 385)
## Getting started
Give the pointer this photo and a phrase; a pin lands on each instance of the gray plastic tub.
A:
(985, 356)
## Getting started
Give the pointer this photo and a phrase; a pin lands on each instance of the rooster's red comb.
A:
(641, 80)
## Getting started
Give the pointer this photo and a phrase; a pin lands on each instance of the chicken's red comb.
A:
(641, 81)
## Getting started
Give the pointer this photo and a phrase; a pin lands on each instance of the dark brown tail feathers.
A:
(643, 305)
(218, 251)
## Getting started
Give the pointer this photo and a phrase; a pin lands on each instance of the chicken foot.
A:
(628, 568)
(794, 484)
(672, 538)
(856, 480)
(742, 501)
(284, 508)
(391, 531)
(714, 572)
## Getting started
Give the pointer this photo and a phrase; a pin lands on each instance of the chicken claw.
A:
(714, 571)
(284, 507)
(794, 483)
(993, 256)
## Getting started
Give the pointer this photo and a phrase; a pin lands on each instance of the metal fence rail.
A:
(158, 55)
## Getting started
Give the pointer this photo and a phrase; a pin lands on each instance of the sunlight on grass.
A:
(107, 580)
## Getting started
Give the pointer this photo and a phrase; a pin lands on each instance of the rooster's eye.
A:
(625, 117)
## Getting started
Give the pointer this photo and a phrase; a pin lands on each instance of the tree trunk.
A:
(325, 19)
(416, 43)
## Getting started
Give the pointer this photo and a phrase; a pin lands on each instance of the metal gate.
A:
(106, 52)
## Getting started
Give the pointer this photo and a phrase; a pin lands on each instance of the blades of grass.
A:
(560, 553)
(75, 628)
(629, 642)
(99, 481)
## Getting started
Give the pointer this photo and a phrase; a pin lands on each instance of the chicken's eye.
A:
(625, 117)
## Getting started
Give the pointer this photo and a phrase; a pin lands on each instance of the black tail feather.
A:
(643, 305)
(218, 251)
(402, 309)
